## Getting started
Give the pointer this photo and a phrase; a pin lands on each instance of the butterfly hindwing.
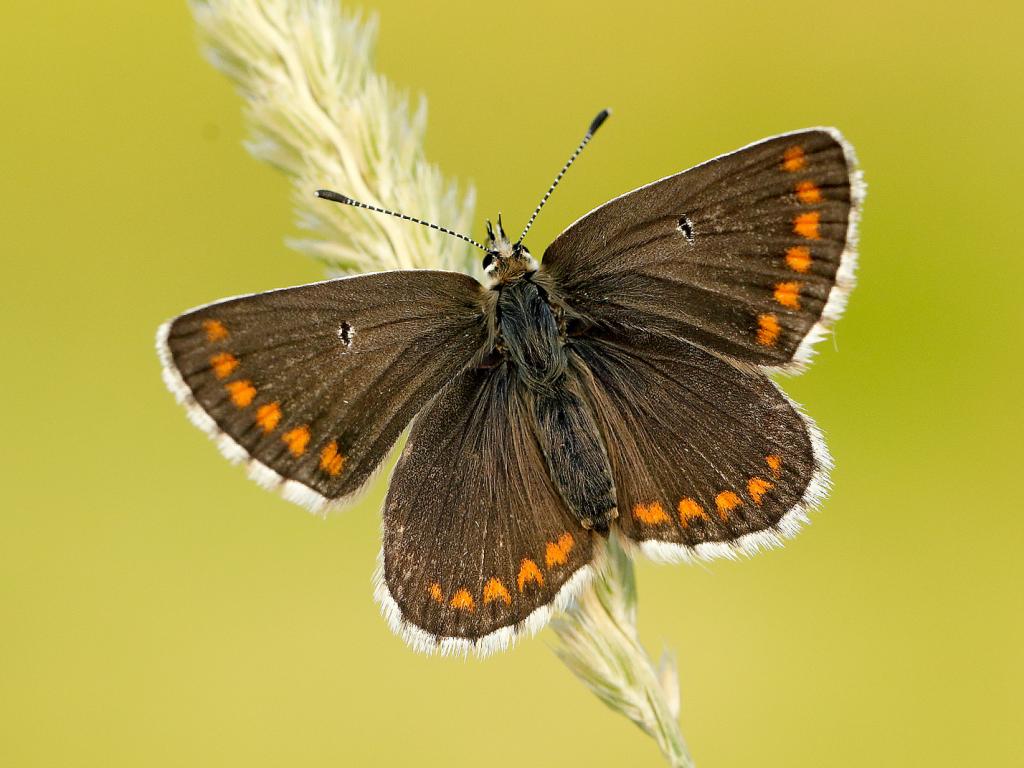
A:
(478, 546)
(707, 459)
(311, 386)
(749, 255)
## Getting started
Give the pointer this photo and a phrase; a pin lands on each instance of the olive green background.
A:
(158, 609)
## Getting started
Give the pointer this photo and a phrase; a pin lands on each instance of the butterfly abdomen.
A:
(575, 454)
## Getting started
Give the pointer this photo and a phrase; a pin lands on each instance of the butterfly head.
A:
(505, 261)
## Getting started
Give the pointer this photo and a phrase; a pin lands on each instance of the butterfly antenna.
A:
(594, 125)
(336, 197)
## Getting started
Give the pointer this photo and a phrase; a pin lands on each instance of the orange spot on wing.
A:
(553, 555)
(223, 364)
(528, 571)
(557, 552)
(331, 461)
(806, 225)
(434, 590)
(757, 488)
(774, 464)
(650, 514)
(566, 542)
(495, 590)
(267, 416)
(798, 258)
(296, 439)
(768, 330)
(793, 159)
(242, 392)
(788, 294)
(726, 501)
(689, 509)
(215, 330)
(808, 192)
(463, 600)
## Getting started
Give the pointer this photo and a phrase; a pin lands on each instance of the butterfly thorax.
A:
(528, 333)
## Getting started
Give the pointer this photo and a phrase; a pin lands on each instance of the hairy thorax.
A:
(528, 334)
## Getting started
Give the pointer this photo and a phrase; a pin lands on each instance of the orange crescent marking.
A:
(566, 542)
(557, 552)
(223, 364)
(768, 330)
(808, 192)
(726, 501)
(757, 487)
(242, 392)
(690, 509)
(798, 258)
(807, 225)
(528, 571)
(463, 600)
(495, 590)
(774, 464)
(793, 159)
(331, 460)
(554, 555)
(650, 514)
(215, 330)
(296, 439)
(435, 593)
(267, 416)
(788, 294)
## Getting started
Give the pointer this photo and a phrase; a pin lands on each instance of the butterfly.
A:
(621, 383)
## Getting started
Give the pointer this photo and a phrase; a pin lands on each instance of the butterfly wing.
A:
(749, 255)
(707, 459)
(478, 546)
(311, 386)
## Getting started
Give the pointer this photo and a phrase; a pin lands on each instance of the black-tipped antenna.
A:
(594, 125)
(336, 197)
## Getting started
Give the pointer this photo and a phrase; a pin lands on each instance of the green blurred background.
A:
(158, 609)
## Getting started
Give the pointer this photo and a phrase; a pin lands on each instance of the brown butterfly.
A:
(621, 383)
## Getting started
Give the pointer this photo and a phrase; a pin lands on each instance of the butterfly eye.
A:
(488, 260)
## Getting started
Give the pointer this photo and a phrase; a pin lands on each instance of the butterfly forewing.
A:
(478, 546)
(706, 458)
(313, 385)
(749, 255)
